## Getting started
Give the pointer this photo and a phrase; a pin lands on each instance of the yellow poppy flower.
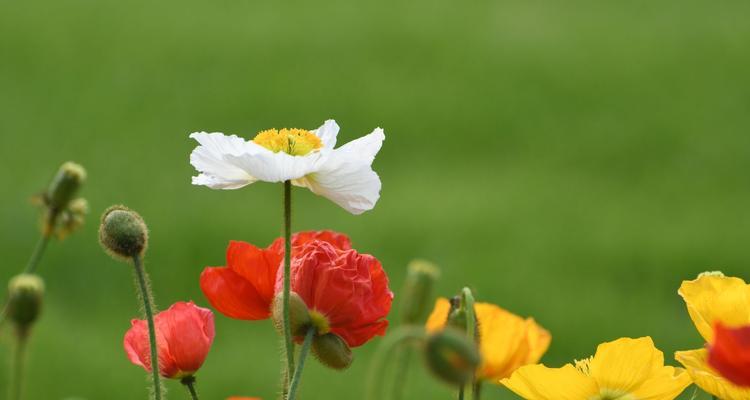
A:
(626, 369)
(711, 298)
(507, 341)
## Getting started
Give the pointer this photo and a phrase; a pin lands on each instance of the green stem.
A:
(460, 393)
(402, 371)
(41, 245)
(471, 332)
(288, 343)
(477, 390)
(302, 356)
(148, 308)
(189, 382)
(389, 344)
(19, 355)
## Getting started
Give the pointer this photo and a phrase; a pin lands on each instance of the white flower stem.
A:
(288, 343)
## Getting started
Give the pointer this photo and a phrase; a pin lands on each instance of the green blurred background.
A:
(573, 161)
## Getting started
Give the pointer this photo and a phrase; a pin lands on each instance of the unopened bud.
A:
(417, 298)
(122, 233)
(64, 185)
(299, 315)
(457, 314)
(451, 356)
(332, 351)
(25, 294)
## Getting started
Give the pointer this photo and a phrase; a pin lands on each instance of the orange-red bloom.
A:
(729, 354)
(245, 287)
(184, 334)
(346, 292)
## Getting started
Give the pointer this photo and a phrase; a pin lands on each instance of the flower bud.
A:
(122, 233)
(332, 351)
(25, 294)
(451, 356)
(299, 315)
(64, 185)
(457, 314)
(417, 298)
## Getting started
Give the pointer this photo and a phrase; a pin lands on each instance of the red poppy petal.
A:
(257, 266)
(189, 332)
(232, 295)
(338, 240)
(136, 348)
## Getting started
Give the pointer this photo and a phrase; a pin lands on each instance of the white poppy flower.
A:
(306, 158)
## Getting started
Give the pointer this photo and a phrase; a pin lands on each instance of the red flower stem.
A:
(148, 309)
(19, 355)
(302, 356)
(189, 382)
(288, 343)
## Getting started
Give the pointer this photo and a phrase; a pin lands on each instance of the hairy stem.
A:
(148, 309)
(288, 343)
(189, 382)
(293, 387)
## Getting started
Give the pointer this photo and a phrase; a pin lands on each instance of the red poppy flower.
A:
(346, 292)
(244, 289)
(184, 334)
(730, 353)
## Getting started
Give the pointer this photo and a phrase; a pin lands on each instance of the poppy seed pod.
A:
(64, 186)
(451, 356)
(332, 351)
(299, 315)
(122, 233)
(25, 294)
(417, 299)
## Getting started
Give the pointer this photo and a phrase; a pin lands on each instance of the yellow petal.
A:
(666, 383)
(539, 340)
(707, 379)
(537, 382)
(436, 320)
(625, 364)
(711, 298)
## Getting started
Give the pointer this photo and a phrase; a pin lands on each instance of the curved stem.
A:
(288, 343)
(302, 356)
(19, 355)
(391, 342)
(189, 382)
(41, 245)
(402, 371)
(148, 309)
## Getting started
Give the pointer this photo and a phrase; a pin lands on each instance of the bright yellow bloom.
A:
(507, 341)
(711, 298)
(626, 369)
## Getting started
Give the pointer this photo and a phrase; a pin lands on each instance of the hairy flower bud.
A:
(417, 299)
(299, 315)
(332, 351)
(25, 294)
(451, 356)
(64, 185)
(122, 233)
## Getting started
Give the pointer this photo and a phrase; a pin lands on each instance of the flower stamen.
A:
(296, 142)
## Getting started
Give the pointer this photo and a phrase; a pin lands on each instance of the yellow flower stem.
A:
(396, 338)
(302, 356)
(288, 343)
(149, 310)
(471, 325)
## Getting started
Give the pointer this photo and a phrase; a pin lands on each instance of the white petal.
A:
(267, 166)
(327, 133)
(346, 176)
(210, 158)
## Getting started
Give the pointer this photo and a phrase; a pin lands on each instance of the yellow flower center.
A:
(297, 142)
(320, 322)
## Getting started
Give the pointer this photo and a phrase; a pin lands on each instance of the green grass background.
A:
(573, 161)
